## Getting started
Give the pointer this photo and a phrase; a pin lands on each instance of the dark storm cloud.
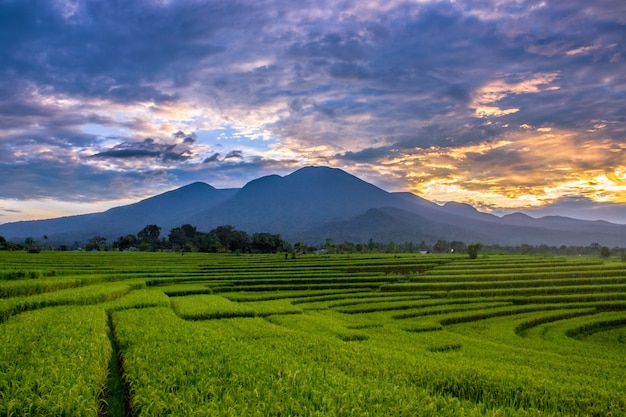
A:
(234, 154)
(127, 150)
(149, 148)
(229, 157)
(213, 158)
(367, 155)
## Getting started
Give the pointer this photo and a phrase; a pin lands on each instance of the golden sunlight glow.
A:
(582, 50)
(486, 111)
(522, 169)
(481, 148)
(442, 192)
(50, 208)
(494, 91)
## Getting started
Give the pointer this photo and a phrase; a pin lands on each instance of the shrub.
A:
(473, 249)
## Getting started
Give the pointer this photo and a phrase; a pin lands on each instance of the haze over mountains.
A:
(315, 203)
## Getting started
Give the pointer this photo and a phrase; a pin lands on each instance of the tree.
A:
(300, 248)
(457, 246)
(240, 242)
(473, 249)
(96, 243)
(330, 246)
(149, 237)
(392, 247)
(267, 243)
(125, 242)
(3, 243)
(605, 252)
(441, 246)
(227, 238)
(186, 239)
(32, 246)
(346, 247)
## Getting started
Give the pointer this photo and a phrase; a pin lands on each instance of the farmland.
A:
(150, 334)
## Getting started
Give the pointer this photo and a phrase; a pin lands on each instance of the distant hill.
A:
(315, 203)
(165, 210)
(295, 203)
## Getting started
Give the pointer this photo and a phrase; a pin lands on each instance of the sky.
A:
(508, 105)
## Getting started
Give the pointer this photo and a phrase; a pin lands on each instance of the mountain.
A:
(289, 205)
(165, 209)
(315, 203)
(581, 208)
(467, 211)
(389, 224)
(168, 208)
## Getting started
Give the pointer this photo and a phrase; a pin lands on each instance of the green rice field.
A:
(154, 334)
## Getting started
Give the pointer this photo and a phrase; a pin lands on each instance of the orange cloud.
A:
(522, 169)
(486, 96)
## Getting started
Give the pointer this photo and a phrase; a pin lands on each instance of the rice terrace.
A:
(151, 334)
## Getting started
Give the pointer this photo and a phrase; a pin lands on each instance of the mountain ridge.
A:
(315, 203)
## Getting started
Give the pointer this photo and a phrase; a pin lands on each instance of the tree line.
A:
(227, 239)
(187, 238)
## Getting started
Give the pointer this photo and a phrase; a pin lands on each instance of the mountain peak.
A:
(519, 216)
(198, 185)
(265, 181)
(319, 173)
(316, 170)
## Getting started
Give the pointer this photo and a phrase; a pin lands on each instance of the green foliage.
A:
(227, 239)
(125, 242)
(473, 249)
(148, 237)
(31, 245)
(268, 243)
(54, 362)
(376, 334)
(605, 252)
(96, 243)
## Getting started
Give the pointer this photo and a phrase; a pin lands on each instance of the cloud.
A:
(40, 179)
(116, 53)
(429, 96)
(349, 71)
(498, 90)
(581, 208)
(368, 155)
(7, 211)
(212, 158)
(329, 46)
(149, 148)
(234, 154)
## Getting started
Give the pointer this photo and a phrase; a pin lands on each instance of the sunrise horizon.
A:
(585, 210)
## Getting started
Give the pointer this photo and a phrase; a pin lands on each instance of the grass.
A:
(144, 334)
(54, 361)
